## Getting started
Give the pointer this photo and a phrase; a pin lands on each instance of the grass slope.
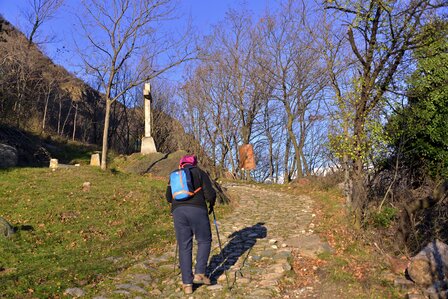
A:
(68, 237)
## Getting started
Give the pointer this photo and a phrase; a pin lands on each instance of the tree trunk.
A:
(59, 115)
(105, 134)
(346, 169)
(44, 118)
(294, 142)
(74, 122)
(286, 177)
(66, 119)
(271, 156)
(359, 193)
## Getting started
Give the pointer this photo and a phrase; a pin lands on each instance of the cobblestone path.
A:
(257, 239)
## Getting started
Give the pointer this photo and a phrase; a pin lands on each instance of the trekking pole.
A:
(220, 248)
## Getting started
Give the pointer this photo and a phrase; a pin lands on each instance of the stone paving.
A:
(257, 240)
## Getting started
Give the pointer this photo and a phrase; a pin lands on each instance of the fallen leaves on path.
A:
(306, 269)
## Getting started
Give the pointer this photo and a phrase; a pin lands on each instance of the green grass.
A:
(77, 237)
(72, 152)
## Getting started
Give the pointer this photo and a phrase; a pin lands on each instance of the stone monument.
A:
(148, 145)
(95, 159)
(54, 163)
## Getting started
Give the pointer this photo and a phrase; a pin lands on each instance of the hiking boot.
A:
(201, 279)
(188, 288)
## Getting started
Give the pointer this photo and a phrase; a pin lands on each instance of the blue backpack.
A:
(182, 185)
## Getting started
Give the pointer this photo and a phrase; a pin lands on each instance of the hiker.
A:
(191, 219)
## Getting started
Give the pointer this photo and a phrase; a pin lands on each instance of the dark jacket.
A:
(207, 193)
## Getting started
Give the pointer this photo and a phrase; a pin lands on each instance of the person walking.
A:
(191, 219)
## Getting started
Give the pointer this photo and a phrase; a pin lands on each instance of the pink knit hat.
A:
(188, 159)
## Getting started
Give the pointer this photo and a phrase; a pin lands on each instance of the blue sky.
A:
(204, 14)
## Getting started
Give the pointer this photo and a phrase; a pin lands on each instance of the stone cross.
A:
(147, 96)
(148, 145)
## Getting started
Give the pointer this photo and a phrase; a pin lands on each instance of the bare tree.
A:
(37, 13)
(123, 33)
(296, 75)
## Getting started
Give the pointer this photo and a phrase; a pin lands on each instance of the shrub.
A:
(385, 217)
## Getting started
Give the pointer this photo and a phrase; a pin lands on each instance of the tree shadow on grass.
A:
(8, 230)
(241, 242)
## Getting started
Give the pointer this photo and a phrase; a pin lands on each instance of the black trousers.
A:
(192, 221)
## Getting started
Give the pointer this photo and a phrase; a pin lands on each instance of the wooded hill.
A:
(38, 96)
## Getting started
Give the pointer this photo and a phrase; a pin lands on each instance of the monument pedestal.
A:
(148, 146)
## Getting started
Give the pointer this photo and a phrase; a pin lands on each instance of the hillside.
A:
(42, 101)
(40, 96)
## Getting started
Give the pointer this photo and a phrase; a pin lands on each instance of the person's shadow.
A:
(242, 241)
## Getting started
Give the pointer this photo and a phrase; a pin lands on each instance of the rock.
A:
(430, 265)
(287, 267)
(268, 283)
(8, 156)
(122, 292)
(273, 277)
(54, 163)
(243, 281)
(156, 292)
(283, 255)
(439, 290)
(222, 278)
(141, 278)
(261, 293)
(416, 296)
(6, 229)
(215, 287)
(309, 245)
(403, 283)
(86, 186)
(95, 160)
(276, 269)
(398, 265)
(267, 253)
(131, 287)
(74, 292)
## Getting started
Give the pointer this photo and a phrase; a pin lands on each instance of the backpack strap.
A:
(198, 189)
(190, 193)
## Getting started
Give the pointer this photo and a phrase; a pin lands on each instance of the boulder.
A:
(430, 265)
(8, 156)
(6, 229)
(310, 246)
